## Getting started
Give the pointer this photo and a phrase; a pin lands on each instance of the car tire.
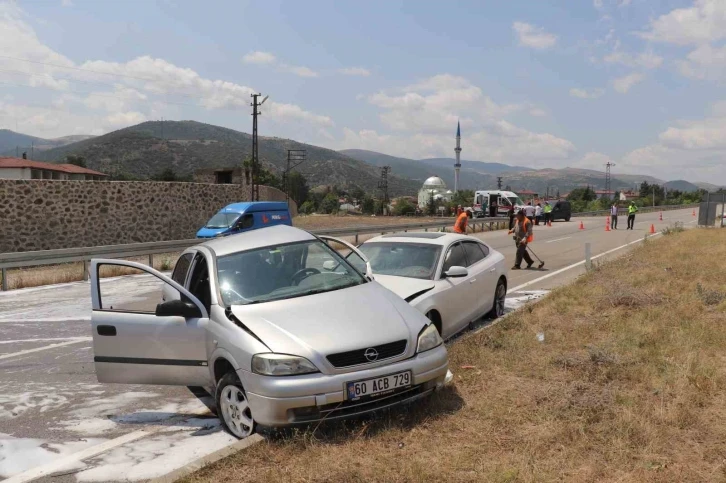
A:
(500, 295)
(567, 219)
(233, 408)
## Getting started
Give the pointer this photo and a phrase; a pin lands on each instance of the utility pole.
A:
(255, 188)
(298, 156)
(608, 165)
(499, 183)
(383, 186)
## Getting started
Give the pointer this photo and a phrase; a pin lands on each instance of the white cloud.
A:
(122, 119)
(703, 22)
(597, 4)
(624, 84)
(534, 37)
(299, 71)
(705, 62)
(647, 59)
(537, 112)
(586, 94)
(592, 160)
(624, 3)
(66, 3)
(355, 71)
(259, 58)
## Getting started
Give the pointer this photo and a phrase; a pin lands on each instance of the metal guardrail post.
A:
(4, 275)
(85, 270)
(588, 260)
(356, 239)
(151, 260)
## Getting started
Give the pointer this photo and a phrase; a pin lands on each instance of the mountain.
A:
(681, 185)
(146, 149)
(13, 143)
(709, 186)
(477, 166)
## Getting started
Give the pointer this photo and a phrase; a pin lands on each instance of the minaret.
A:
(457, 150)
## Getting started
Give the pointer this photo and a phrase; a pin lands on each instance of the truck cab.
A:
(241, 217)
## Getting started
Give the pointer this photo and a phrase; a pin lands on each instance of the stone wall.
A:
(46, 215)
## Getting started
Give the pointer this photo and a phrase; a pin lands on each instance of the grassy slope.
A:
(627, 386)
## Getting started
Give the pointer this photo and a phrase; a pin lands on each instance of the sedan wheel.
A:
(500, 296)
(233, 407)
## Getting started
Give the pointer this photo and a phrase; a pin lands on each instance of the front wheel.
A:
(500, 296)
(233, 407)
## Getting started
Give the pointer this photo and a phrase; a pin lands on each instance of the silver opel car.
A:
(280, 328)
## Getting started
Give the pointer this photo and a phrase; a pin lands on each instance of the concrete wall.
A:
(45, 214)
(14, 173)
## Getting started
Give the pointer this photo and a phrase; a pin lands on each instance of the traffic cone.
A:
(582, 227)
(652, 229)
(607, 224)
(549, 222)
(660, 217)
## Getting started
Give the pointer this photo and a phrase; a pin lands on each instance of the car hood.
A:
(210, 232)
(405, 287)
(314, 326)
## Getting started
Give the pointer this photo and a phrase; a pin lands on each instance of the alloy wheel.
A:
(500, 297)
(236, 411)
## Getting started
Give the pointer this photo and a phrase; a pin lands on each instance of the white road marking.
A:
(558, 239)
(20, 341)
(44, 348)
(581, 262)
(70, 460)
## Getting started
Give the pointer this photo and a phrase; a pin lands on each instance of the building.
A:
(604, 194)
(629, 195)
(20, 168)
(433, 186)
(220, 176)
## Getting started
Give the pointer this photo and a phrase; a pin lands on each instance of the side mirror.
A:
(329, 265)
(178, 308)
(455, 272)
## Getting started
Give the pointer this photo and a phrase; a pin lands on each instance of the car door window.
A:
(182, 267)
(245, 221)
(199, 281)
(473, 252)
(455, 257)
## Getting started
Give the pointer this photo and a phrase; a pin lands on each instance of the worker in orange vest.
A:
(462, 221)
(523, 236)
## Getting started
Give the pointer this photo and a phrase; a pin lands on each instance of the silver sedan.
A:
(452, 279)
(278, 325)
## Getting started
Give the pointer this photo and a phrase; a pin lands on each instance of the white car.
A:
(453, 279)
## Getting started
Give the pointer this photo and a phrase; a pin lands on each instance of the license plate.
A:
(379, 385)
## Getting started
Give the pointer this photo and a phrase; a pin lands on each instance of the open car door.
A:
(136, 339)
(355, 257)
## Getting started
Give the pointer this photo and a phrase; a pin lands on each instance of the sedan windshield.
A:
(222, 220)
(412, 260)
(283, 272)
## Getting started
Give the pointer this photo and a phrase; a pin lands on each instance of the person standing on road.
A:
(632, 210)
(462, 221)
(529, 211)
(511, 217)
(537, 214)
(523, 235)
(547, 212)
(614, 216)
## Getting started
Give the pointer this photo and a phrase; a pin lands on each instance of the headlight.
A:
(428, 339)
(281, 365)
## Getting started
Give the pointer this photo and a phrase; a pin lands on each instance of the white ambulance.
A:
(505, 201)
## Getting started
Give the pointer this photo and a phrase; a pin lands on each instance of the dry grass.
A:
(628, 385)
(73, 272)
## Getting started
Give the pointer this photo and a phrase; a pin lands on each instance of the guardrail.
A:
(85, 254)
(644, 209)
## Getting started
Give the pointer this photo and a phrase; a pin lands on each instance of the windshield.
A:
(515, 201)
(222, 220)
(283, 272)
(412, 260)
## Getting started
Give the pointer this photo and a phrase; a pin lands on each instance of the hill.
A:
(13, 143)
(476, 166)
(140, 151)
(681, 185)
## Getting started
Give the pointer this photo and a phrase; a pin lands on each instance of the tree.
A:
(298, 187)
(368, 205)
(582, 194)
(357, 194)
(307, 208)
(76, 160)
(403, 207)
(329, 204)
(167, 174)
(431, 205)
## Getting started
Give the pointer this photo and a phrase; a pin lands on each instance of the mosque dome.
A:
(434, 182)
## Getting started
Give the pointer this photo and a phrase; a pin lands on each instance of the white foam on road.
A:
(75, 340)
(517, 300)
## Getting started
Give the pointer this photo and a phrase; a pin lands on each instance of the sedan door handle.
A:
(492, 269)
(472, 280)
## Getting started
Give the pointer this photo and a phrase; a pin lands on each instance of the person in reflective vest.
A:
(547, 212)
(462, 221)
(523, 236)
(632, 210)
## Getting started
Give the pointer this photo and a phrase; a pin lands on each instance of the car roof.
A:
(255, 206)
(261, 237)
(435, 238)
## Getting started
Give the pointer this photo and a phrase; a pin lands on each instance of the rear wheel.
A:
(500, 296)
(233, 407)
(567, 219)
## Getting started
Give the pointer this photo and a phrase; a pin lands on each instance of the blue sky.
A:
(535, 83)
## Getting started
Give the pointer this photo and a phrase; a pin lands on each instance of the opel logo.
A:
(371, 354)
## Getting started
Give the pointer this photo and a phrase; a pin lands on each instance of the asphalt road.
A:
(52, 407)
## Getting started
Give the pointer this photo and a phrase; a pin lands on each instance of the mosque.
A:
(435, 186)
